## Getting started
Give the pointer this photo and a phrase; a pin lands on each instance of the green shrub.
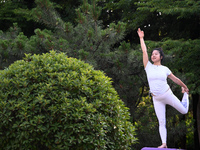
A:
(51, 101)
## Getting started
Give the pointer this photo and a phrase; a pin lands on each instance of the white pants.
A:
(160, 102)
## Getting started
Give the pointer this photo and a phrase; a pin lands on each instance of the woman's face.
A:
(155, 56)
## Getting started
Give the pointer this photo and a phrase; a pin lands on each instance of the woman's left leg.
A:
(160, 109)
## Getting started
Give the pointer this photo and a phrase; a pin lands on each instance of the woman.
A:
(157, 75)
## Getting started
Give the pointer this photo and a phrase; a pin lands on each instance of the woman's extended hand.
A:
(185, 90)
(140, 33)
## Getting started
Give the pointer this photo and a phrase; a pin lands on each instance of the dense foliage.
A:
(103, 33)
(51, 101)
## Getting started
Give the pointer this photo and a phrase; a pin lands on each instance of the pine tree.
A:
(91, 42)
(12, 46)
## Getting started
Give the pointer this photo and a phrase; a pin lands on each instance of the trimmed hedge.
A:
(51, 101)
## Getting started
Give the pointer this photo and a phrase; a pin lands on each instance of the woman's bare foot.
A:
(164, 145)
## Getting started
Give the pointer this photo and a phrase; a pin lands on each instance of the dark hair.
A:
(161, 53)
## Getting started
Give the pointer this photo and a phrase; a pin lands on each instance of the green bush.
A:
(51, 101)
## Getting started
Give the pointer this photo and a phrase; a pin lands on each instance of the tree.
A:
(161, 19)
(177, 19)
(94, 44)
(11, 12)
(90, 42)
(12, 46)
(15, 11)
(50, 101)
(125, 11)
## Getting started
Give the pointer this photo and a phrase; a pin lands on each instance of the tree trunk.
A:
(183, 138)
(196, 116)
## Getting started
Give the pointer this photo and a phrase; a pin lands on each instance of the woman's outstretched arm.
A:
(178, 81)
(143, 46)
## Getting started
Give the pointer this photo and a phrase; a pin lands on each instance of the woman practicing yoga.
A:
(157, 75)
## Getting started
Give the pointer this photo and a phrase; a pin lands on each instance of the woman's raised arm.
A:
(143, 46)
